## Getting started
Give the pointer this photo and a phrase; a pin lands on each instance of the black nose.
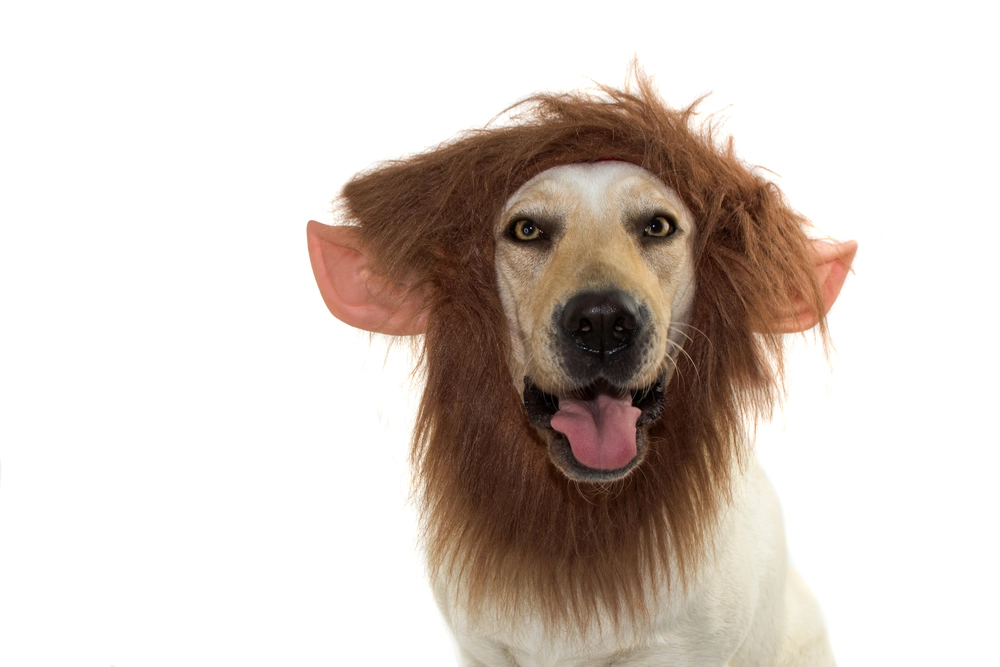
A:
(601, 322)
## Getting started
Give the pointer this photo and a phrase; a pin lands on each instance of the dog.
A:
(602, 290)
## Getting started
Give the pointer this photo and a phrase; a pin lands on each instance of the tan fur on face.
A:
(590, 213)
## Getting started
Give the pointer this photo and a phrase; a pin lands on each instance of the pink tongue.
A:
(601, 432)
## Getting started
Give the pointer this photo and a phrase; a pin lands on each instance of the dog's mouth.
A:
(595, 432)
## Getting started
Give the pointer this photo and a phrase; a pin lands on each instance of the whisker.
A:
(681, 350)
(684, 325)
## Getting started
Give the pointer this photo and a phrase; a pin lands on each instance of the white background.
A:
(200, 466)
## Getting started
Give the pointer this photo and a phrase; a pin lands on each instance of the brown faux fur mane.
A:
(497, 515)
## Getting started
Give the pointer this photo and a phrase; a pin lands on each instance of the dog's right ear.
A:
(353, 292)
(831, 264)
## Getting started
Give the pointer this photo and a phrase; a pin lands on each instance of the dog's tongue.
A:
(601, 431)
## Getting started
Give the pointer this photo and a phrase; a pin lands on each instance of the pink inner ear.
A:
(353, 292)
(831, 262)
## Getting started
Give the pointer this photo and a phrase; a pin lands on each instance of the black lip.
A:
(541, 406)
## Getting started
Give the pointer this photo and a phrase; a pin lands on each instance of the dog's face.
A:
(595, 272)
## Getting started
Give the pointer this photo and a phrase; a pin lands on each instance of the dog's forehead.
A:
(593, 185)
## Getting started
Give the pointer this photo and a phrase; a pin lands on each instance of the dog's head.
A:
(594, 268)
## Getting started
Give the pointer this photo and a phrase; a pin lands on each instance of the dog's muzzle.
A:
(595, 430)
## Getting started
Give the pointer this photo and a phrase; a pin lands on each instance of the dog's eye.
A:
(660, 226)
(525, 230)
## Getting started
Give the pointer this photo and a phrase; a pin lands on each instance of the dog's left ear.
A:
(356, 294)
(831, 262)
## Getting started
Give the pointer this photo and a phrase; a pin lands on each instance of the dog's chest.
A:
(703, 626)
(699, 636)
